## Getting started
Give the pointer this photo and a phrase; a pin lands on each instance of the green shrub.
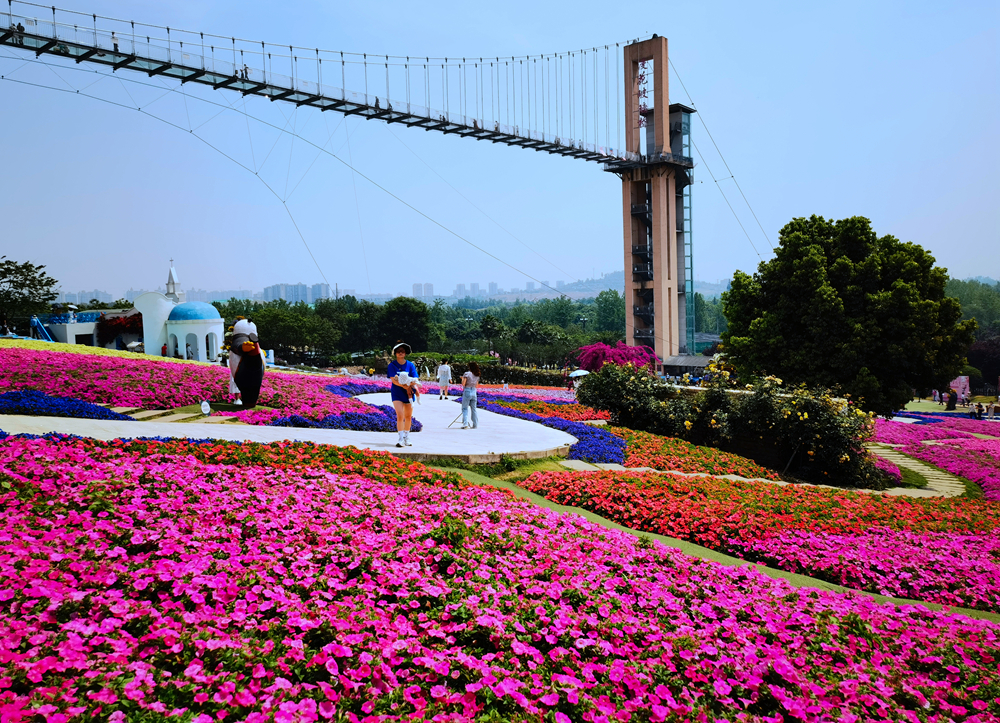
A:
(807, 433)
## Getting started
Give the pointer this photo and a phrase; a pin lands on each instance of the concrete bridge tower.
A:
(656, 206)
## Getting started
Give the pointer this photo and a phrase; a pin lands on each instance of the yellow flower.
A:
(687, 424)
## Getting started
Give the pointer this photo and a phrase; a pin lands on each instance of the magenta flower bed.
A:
(889, 468)
(155, 384)
(146, 586)
(951, 568)
(889, 432)
(974, 459)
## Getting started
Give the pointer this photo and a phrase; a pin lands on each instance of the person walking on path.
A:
(444, 379)
(470, 380)
(404, 377)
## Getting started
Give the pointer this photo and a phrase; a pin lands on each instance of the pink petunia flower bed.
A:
(974, 459)
(153, 384)
(147, 586)
(951, 568)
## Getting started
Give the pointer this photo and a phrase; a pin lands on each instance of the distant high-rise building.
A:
(530, 286)
(428, 291)
(560, 283)
(493, 288)
(460, 291)
(319, 291)
(544, 284)
(275, 292)
(473, 289)
(85, 297)
(418, 291)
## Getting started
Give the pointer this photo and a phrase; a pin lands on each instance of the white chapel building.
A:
(180, 325)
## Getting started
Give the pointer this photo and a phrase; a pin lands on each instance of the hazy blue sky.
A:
(882, 109)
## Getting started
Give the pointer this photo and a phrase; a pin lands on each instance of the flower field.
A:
(202, 582)
(830, 534)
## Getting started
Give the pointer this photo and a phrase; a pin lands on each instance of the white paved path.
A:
(497, 434)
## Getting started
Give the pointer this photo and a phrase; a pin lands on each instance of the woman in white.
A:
(242, 326)
(444, 378)
(470, 380)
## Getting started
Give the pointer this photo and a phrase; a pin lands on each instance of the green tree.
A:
(609, 309)
(839, 306)
(408, 319)
(980, 302)
(491, 328)
(25, 289)
(708, 316)
(364, 328)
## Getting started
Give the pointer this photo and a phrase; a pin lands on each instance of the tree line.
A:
(333, 330)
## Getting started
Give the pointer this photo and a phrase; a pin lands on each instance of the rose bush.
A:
(138, 582)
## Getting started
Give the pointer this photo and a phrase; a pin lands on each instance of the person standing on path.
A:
(444, 379)
(470, 380)
(114, 41)
(404, 377)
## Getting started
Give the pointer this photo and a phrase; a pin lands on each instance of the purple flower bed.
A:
(39, 404)
(595, 445)
(950, 568)
(353, 387)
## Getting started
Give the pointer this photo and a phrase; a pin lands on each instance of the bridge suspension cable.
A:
(283, 130)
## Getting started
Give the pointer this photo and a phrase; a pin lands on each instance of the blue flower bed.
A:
(596, 445)
(382, 418)
(39, 404)
(929, 417)
(353, 389)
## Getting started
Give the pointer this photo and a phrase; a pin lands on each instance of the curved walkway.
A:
(498, 435)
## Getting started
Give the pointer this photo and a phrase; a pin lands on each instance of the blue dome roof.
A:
(193, 310)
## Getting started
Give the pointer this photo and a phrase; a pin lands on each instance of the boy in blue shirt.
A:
(403, 393)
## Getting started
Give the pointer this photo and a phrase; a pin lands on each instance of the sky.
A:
(887, 110)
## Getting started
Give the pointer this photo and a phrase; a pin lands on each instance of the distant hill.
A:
(616, 280)
(983, 280)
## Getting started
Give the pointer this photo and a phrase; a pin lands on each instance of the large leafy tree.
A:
(407, 319)
(610, 308)
(25, 289)
(839, 306)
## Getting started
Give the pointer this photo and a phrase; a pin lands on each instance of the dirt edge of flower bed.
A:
(704, 553)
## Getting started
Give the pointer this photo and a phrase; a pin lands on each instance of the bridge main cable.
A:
(249, 68)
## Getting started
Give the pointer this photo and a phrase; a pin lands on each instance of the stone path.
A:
(939, 482)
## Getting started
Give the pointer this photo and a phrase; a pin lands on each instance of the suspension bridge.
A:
(606, 104)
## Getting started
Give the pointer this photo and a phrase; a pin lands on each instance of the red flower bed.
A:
(676, 455)
(709, 511)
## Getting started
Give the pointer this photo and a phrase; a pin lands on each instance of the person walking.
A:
(470, 380)
(990, 407)
(404, 377)
(163, 350)
(444, 379)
